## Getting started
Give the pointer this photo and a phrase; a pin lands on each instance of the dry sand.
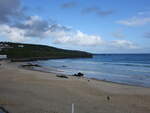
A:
(27, 91)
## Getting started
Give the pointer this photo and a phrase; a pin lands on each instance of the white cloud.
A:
(142, 18)
(36, 27)
(76, 38)
(141, 13)
(135, 21)
(18, 26)
(124, 44)
(32, 20)
(147, 34)
(39, 28)
(118, 34)
(13, 33)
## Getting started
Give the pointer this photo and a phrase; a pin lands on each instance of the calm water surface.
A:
(133, 69)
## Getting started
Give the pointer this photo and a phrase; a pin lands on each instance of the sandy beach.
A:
(28, 91)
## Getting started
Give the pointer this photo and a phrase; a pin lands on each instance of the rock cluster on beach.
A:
(30, 65)
(62, 76)
(79, 74)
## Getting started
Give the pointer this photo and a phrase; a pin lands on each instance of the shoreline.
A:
(41, 69)
(55, 71)
(28, 91)
(45, 58)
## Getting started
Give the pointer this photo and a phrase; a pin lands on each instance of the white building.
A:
(2, 46)
(21, 46)
(3, 57)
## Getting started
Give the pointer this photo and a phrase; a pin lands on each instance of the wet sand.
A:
(27, 91)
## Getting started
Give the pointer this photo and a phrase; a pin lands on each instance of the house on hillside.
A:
(2, 57)
(21, 46)
(3, 46)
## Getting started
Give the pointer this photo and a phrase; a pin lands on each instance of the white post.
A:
(72, 108)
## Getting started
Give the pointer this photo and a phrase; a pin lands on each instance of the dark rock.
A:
(75, 75)
(3, 110)
(108, 98)
(30, 64)
(79, 74)
(62, 76)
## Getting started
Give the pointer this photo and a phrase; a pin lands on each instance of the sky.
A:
(97, 26)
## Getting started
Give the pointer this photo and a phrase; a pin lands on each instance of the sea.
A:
(130, 69)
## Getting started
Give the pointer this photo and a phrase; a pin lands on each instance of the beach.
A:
(29, 91)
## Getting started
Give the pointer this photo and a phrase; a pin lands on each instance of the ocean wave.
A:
(133, 64)
(113, 63)
(87, 62)
(127, 64)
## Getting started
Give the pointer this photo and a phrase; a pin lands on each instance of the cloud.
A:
(69, 4)
(143, 18)
(58, 27)
(12, 33)
(35, 27)
(147, 34)
(118, 34)
(123, 44)
(135, 21)
(97, 11)
(77, 38)
(10, 10)
(144, 13)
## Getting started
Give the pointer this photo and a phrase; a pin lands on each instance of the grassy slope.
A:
(33, 52)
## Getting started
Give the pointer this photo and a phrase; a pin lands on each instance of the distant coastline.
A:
(41, 58)
(31, 52)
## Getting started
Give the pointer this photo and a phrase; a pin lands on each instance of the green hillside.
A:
(19, 51)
